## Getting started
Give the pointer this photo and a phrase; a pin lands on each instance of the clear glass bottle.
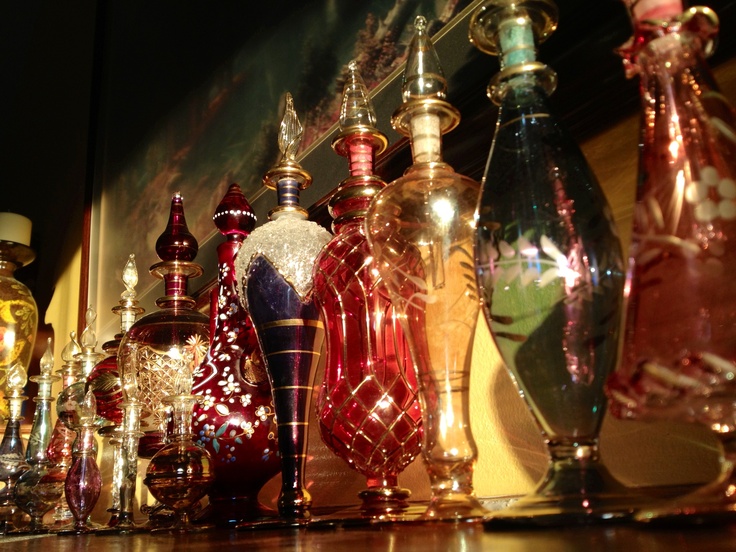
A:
(274, 269)
(39, 489)
(551, 272)
(181, 474)
(368, 410)
(679, 343)
(173, 338)
(235, 419)
(420, 229)
(12, 454)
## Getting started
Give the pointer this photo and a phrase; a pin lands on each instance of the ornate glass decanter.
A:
(83, 480)
(679, 347)
(39, 489)
(12, 460)
(274, 267)
(420, 229)
(180, 474)
(18, 310)
(59, 451)
(550, 271)
(169, 340)
(234, 421)
(368, 410)
(105, 382)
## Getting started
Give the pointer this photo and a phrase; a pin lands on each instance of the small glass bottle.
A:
(235, 419)
(420, 229)
(12, 461)
(274, 267)
(180, 474)
(173, 338)
(39, 489)
(83, 480)
(368, 410)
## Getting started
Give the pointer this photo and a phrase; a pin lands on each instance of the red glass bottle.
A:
(368, 410)
(173, 338)
(234, 421)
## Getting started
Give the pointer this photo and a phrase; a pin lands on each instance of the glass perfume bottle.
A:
(104, 381)
(59, 451)
(18, 309)
(39, 489)
(274, 267)
(234, 421)
(180, 474)
(550, 270)
(368, 410)
(83, 482)
(173, 338)
(679, 343)
(12, 455)
(420, 231)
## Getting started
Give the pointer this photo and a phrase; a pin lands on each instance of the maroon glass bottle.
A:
(234, 421)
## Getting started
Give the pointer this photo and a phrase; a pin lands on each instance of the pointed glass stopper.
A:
(177, 243)
(183, 383)
(47, 360)
(130, 278)
(17, 378)
(423, 77)
(356, 109)
(88, 408)
(89, 337)
(234, 215)
(290, 132)
(71, 349)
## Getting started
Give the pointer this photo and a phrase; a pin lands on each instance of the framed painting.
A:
(191, 101)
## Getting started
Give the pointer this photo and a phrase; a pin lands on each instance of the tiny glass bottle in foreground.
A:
(420, 229)
(172, 339)
(550, 270)
(368, 410)
(234, 421)
(12, 461)
(39, 489)
(180, 474)
(679, 344)
(274, 269)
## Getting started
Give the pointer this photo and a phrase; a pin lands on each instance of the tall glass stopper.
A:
(550, 271)
(274, 269)
(420, 232)
(368, 410)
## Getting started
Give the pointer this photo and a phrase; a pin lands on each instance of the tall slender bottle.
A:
(274, 269)
(12, 461)
(420, 231)
(368, 410)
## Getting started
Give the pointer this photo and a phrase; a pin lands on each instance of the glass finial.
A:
(423, 77)
(17, 377)
(130, 278)
(183, 383)
(88, 408)
(176, 242)
(71, 349)
(47, 360)
(89, 337)
(290, 132)
(357, 109)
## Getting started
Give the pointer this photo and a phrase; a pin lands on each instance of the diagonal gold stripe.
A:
(309, 387)
(292, 322)
(285, 424)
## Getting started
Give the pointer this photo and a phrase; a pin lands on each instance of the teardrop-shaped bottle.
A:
(368, 409)
(420, 232)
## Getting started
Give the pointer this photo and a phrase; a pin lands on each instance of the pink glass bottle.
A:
(368, 410)
(173, 338)
(679, 347)
(234, 421)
